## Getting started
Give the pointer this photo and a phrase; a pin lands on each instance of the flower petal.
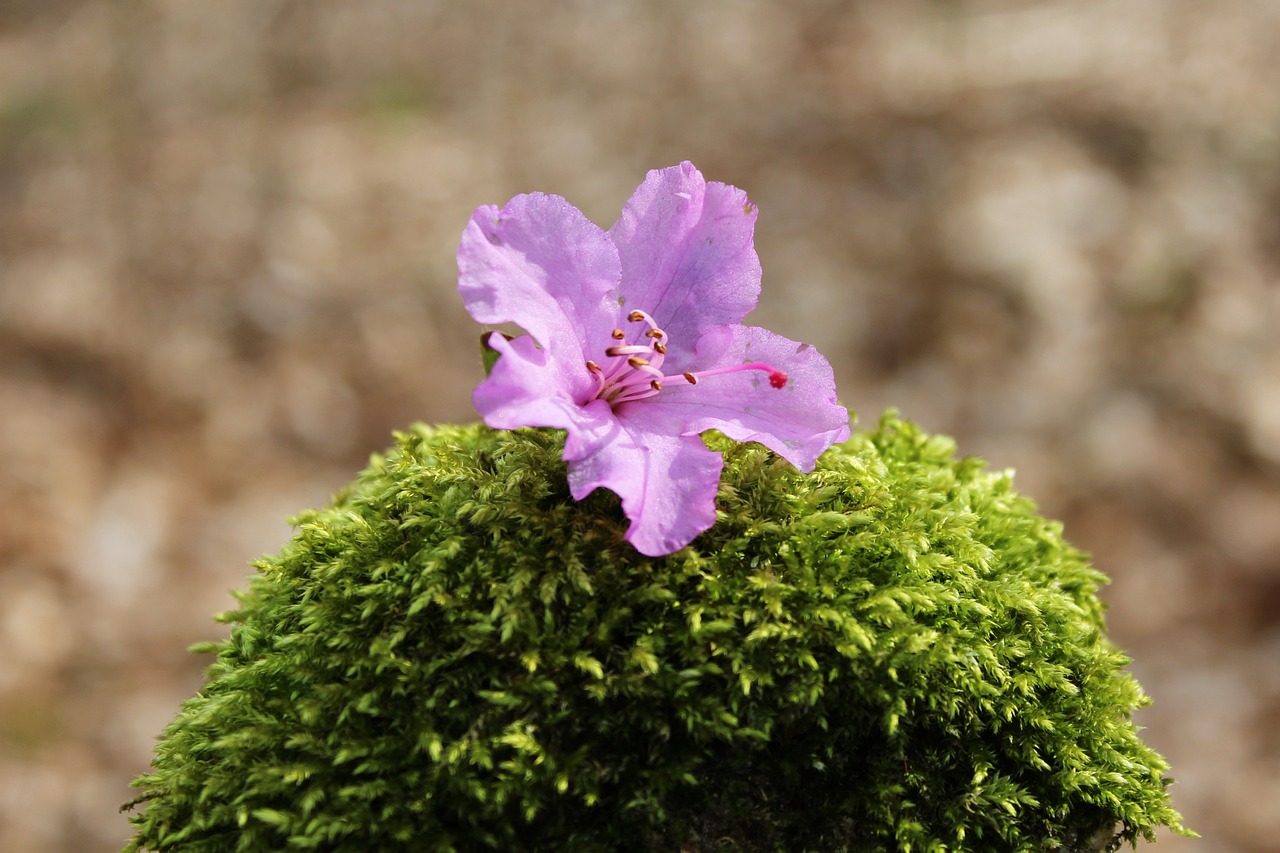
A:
(541, 264)
(687, 253)
(798, 422)
(526, 388)
(667, 483)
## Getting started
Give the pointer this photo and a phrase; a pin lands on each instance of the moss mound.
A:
(894, 652)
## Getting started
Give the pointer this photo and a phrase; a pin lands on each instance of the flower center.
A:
(634, 371)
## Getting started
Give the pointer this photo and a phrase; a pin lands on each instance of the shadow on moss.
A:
(892, 652)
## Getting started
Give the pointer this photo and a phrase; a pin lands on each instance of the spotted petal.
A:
(687, 253)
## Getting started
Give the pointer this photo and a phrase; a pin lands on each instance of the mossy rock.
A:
(894, 652)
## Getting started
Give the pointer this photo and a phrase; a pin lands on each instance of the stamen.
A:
(635, 371)
(596, 372)
(631, 396)
(614, 352)
(777, 378)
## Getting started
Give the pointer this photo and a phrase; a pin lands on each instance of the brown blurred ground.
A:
(226, 274)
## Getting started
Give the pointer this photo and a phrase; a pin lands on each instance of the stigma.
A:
(633, 371)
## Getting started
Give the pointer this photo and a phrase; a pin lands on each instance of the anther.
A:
(636, 371)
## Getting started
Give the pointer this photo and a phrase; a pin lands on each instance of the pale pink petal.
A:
(541, 264)
(667, 483)
(527, 389)
(798, 422)
(687, 254)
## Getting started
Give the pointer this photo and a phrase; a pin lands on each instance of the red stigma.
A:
(778, 379)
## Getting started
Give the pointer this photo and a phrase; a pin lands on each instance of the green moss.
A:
(894, 652)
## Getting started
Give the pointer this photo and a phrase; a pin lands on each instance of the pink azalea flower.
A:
(635, 346)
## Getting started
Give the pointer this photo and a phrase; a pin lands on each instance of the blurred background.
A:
(227, 235)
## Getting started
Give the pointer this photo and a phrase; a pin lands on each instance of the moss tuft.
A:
(894, 652)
